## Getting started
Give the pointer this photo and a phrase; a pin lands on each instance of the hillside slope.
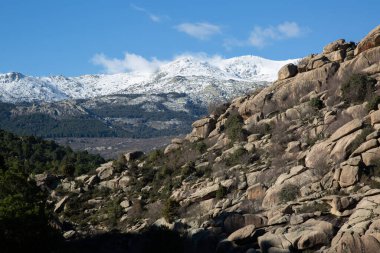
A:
(129, 115)
(294, 167)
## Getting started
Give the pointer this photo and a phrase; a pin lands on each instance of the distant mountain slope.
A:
(123, 115)
(200, 79)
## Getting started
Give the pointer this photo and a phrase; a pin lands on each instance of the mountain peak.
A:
(11, 77)
(199, 71)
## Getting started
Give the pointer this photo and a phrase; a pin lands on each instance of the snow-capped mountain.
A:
(202, 79)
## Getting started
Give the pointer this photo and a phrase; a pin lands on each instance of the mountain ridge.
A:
(197, 72)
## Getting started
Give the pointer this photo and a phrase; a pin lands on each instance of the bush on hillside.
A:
(233, 126)
(289, 193)
(155, 155)
(67, 169)
(114, 211)
(188, 169)
(373, 103)
(316, 103)
(120, 163)
(240, 156)
(358, 88)
(201, 147)
(221, 192)
(170, 211)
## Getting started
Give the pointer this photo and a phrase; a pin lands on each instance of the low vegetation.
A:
(239, 156)
(234, 126)
(373, 103)
(221, 192)
(358, 88)
(316, 103)
(290, 192)
(170, 211)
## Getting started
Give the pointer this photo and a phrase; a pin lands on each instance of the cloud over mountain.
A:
(202, 31)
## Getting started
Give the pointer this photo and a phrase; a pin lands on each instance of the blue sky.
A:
(74, 37)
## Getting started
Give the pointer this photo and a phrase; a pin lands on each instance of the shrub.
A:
(221, 192)
(233, 126)
(120, 164)
(204, 171)
(67, 170)
(114, 211)
(373, 103)
(170, 211)
(316, 103)
(188, 169)
(358, 88)
(237, 157)
(155, 155)
(161, 174)
(201, 147)
(289, 193)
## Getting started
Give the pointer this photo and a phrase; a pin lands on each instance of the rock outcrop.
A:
(289, 70)
(370, 41)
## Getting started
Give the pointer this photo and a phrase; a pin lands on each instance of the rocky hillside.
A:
(294, 167)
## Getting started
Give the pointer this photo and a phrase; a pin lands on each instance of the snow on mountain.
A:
(201, 78)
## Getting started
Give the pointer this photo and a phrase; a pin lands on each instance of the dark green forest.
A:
(31, 154)
(25, 220)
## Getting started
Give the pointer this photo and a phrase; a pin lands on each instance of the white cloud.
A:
(289, 29)
(202, 31)
(130, 63)
(263, 36)
(133, 63)
(260, 36)
(153, 17)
